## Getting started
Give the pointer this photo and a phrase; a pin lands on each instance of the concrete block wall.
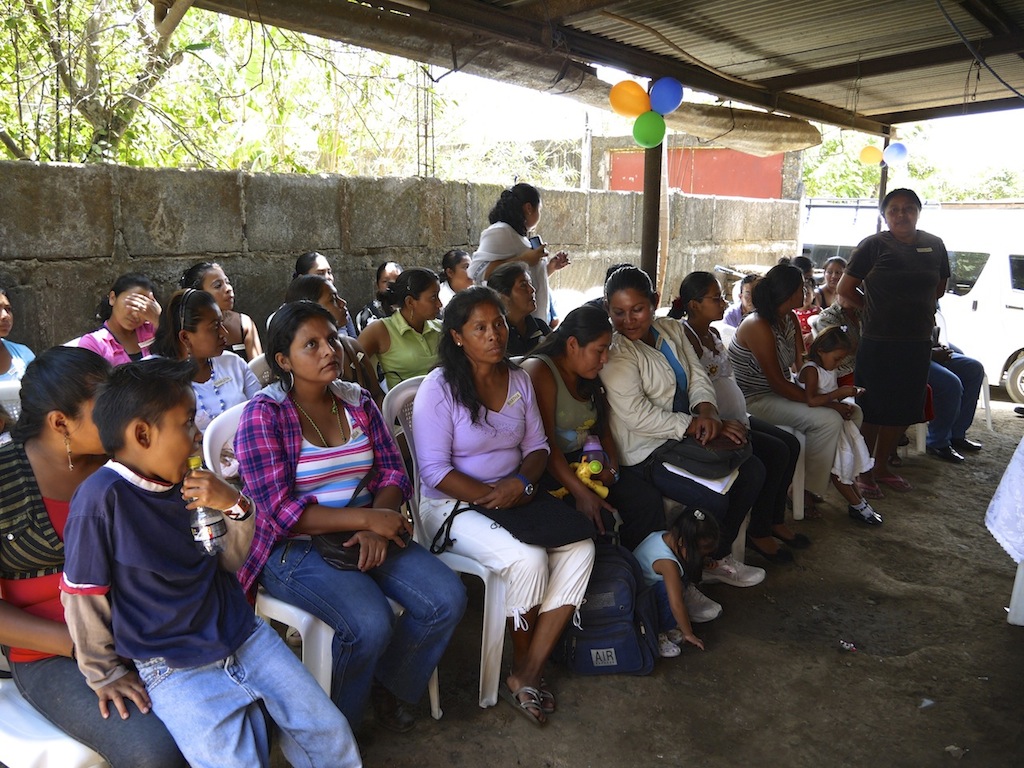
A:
(66, 232)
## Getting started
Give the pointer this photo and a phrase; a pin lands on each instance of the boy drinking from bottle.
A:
(136, 586)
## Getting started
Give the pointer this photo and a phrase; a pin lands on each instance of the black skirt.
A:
(894, 375)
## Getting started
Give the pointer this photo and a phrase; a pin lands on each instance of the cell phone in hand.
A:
(536, 242)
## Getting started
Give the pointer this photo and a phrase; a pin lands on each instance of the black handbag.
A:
(331, 546)
(544, 521)
(717, 458)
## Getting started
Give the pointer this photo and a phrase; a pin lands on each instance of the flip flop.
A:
(895, 482)
(869, 490)
(531, 708)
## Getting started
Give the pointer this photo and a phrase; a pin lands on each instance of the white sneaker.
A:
(666, 648)
(728, 571)
(700, 607)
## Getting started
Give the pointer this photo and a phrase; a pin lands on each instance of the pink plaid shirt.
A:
(267, 447)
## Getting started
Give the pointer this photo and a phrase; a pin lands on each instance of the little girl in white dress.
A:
(818, 378)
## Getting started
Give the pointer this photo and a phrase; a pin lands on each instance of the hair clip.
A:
(844, 328)
(698, 515)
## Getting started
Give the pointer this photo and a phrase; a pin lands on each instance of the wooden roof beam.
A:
(951, 110)
(902, 62)
(562, 11)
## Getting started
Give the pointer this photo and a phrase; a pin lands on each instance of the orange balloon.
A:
(871, 155)
(629, 99)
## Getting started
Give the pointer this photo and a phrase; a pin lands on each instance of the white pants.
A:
(533, 575)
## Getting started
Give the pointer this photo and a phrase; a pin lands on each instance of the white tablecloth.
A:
(1005, 517)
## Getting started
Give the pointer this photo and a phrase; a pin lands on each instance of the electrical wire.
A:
(977, 56)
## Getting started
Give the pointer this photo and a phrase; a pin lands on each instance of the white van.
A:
(983, 311)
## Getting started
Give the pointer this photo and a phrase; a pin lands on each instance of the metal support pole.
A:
(652, 212)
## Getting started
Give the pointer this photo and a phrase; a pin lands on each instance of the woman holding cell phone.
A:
(513, 217)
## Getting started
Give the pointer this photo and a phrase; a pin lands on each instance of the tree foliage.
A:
(833, 169)
(98, 82)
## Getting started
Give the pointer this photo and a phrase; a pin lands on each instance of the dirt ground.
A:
(936, 677)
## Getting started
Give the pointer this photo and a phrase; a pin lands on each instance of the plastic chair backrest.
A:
(397, 412)
(10, 398)
(220, 431)
(261, 369)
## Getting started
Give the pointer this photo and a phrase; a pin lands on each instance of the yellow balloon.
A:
(871, 155)
(629, 99)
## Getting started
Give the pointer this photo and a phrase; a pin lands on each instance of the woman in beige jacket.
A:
(658, 391)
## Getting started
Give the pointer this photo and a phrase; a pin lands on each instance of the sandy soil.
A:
(936, 676)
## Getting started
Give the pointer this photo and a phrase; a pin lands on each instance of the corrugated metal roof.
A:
(755, 40)
(863, 63)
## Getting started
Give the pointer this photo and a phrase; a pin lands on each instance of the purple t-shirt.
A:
(493, 448)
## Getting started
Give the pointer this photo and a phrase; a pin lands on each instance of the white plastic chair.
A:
(29, 740)
(10, 398)
(397, 407)
(261, 369)
(317, 637)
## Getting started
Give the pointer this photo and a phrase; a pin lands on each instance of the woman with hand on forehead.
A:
(130, 315)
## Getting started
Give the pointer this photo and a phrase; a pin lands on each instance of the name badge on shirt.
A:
(514, 399)
(924, 249)
(222, 381)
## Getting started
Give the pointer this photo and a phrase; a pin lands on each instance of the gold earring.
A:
(67, 446)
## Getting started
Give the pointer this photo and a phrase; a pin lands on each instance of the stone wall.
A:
(66, 232)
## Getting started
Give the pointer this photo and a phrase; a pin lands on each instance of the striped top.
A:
(332, 474)
(748, 371)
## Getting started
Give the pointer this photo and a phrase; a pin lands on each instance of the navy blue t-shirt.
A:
(129, 537)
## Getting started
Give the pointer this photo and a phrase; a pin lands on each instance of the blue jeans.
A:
(369, 642)
(213, 711)
(729, 509)
(666, 619)
(955, 385)
(58, 690)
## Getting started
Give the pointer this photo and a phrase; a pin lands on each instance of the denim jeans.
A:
(729, 509)
(56, 688)
(955, 385)
(666, 619)
(369, 642)
(213, 711)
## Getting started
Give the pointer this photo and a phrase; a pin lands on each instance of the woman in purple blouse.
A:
(487, 447)
(306, 445)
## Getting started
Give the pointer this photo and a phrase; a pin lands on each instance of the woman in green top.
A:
(564, 371)
(405, 344)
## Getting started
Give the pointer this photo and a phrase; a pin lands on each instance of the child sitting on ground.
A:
(671, 560)
(136, 586)
(818, 378)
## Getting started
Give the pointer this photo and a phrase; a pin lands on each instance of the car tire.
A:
(1015, 380)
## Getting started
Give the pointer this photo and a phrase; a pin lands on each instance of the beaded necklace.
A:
(334, 410)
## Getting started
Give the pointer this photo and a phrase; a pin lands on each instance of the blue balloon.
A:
(895, 153)
(666, 95)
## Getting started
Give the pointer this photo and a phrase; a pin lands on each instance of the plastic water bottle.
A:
(208, 526)
(593, 455)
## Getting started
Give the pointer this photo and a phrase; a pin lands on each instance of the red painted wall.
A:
(723, 172)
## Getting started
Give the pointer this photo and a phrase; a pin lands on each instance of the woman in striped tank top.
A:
(765, 352)
(306, 445)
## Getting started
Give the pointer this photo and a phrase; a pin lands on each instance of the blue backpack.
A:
(618, 619)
